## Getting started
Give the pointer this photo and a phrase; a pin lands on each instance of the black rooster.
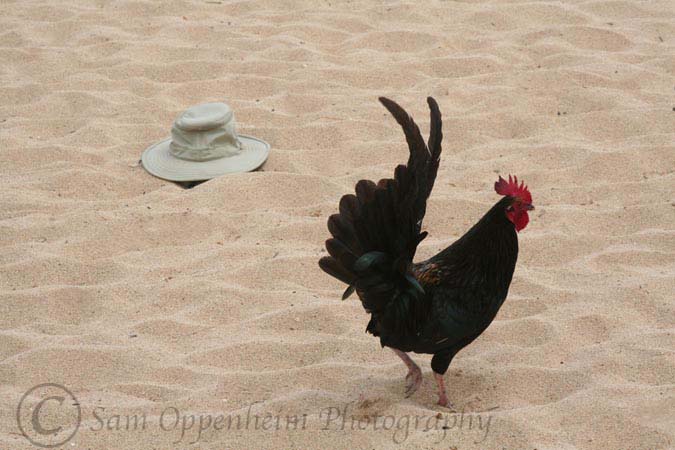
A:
(440, 305)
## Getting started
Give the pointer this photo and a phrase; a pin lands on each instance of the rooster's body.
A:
(440, 305)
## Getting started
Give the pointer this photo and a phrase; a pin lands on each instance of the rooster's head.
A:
(521, 203)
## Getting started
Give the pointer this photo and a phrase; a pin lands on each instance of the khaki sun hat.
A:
(204, 144)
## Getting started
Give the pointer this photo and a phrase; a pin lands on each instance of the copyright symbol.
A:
(48, 415)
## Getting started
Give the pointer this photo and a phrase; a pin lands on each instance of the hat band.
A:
(191, 153)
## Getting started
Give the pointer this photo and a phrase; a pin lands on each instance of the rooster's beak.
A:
(529, 207)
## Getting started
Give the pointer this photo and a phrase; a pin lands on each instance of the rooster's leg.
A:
(442, 396)
(439, 364)
(414, 377)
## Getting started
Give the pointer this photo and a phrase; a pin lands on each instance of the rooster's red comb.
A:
(511, 188)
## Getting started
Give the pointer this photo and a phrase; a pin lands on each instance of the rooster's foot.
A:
(414, 377)
(445, 403)
(442, 396)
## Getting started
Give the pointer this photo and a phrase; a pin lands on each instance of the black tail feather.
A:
(376, 233)
(333, 268)
(349, 207)
(340, 252)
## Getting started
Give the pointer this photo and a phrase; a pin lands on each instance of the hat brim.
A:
(157, 160)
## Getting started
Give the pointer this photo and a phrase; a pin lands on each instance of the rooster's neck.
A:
(490, 246)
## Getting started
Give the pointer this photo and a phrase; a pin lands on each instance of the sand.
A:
(179, 306)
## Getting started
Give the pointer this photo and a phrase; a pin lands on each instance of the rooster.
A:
(440, 305)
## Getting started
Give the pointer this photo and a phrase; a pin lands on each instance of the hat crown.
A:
(205, 132)
(206, 116)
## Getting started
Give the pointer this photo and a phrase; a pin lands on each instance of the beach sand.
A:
(178, 306)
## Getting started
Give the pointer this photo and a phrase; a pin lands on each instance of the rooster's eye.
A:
(510, 208)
